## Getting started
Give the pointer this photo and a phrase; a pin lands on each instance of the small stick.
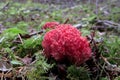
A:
(66, 21)
(30, 35)
(111, 67)
(20, 38)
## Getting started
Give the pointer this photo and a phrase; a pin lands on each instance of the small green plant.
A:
(117, 78)
(103, 78)
(9, 35)
(110, 48)
(80, 73)
(22, 25)
(30, 46)
(114, 16)
(40, 69)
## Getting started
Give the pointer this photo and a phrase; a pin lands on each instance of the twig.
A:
(78, 26)
(5, 7)
(20, 38)
(32, 34)
(110, 67)
(42, 31)
(105, 59)
(66, 21)
(109, 24)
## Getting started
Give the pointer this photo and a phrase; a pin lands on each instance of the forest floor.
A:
(21, 35)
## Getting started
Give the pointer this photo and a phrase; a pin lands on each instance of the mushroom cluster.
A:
(66, 43)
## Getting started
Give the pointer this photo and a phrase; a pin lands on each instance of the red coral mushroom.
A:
(66, 42)
(50, 25)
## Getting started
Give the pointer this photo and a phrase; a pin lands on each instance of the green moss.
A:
(80, 73)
